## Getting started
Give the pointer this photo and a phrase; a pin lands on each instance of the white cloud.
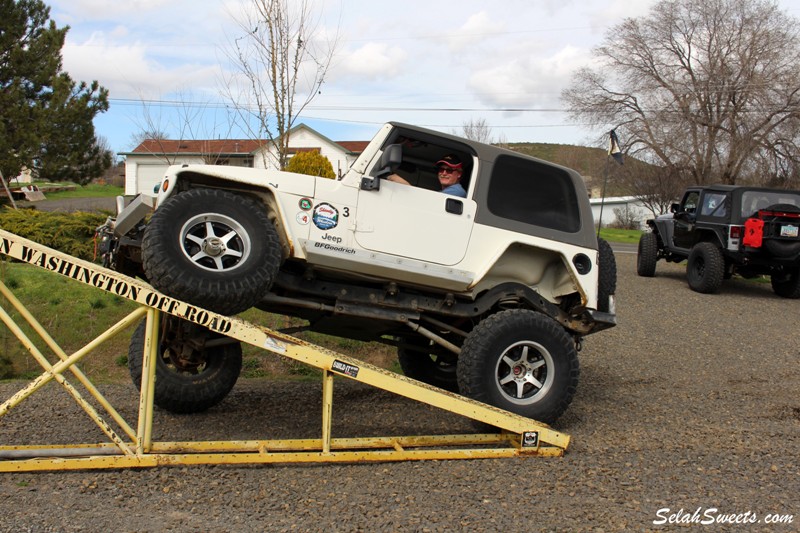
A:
(476, 28)
(127, 72)
(373, 61)
(528, 80)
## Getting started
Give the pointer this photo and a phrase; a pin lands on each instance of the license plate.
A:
(788, 231)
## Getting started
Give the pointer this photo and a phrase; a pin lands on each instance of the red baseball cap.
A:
(450, 160)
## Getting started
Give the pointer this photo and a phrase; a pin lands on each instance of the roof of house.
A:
(231, 147)
(207, 146)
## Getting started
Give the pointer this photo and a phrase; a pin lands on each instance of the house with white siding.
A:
(146, 164)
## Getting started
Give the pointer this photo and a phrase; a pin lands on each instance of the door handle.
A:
(455, 206)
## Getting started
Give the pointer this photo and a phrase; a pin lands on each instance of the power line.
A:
(220, 105)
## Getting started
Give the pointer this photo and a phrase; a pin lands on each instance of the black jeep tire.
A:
(433, 369)
(777, 247)
(647, 255)
(213, 249)
(705, 268)
(186, 387)
(607, 278)
(520, 361)
(786, 285)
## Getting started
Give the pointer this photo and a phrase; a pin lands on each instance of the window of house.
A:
(533, 193)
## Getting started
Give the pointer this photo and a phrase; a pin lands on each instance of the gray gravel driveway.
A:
(688, 411)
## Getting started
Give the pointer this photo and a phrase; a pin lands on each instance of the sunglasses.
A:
(447, 170)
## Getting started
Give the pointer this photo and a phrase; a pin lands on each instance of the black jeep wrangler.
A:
(722, 230)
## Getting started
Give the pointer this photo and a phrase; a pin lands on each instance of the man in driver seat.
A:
(451, 170)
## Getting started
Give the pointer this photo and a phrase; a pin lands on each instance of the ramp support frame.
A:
(129, 447)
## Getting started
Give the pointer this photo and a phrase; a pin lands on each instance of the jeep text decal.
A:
(325, 216)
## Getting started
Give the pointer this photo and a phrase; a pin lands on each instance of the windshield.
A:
(753, 201)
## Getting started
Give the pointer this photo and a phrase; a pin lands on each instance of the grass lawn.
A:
(87, 191)
(620, 235)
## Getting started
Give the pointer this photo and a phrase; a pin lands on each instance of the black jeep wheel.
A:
(647, 255)
(780, 246)
(607, 278)
(189, 379)
(786, 285)
(705, 268)
(419, 363)
(521, 361)
(213, 249)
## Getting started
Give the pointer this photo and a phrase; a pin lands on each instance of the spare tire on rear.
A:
(774, 244)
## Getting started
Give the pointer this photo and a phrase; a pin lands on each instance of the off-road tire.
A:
(778, 247)
(647, 255)
(530, 343)
(705, 268)
(433, 369)
(187, 390)
(607, 278)
(786, 286)
(205, 220)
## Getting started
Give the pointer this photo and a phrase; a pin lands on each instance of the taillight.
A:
(735, 234)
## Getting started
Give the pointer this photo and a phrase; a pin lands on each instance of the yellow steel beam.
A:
(521, 436)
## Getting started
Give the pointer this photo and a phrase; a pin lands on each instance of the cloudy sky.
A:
(431, 63)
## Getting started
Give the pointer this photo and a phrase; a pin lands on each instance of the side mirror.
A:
(391, 157)
(673, 208)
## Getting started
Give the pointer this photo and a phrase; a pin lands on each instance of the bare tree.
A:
(655, 187)
(189, 120)
(477, 129)
(709, 90)
(281, 68)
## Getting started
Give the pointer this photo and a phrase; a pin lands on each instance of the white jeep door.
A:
(415, 223)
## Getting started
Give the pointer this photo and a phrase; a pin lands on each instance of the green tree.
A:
(312, 164)
(45, 116)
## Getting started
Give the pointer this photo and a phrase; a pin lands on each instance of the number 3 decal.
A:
(345, 211)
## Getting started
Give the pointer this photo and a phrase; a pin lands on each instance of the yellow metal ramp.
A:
(132, 445)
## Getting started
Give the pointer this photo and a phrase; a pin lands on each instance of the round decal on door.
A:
(325, 216)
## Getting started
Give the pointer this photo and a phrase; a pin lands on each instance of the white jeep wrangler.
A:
(488, 295)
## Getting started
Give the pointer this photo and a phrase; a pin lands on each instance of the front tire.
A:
(705, 268)
(647, 255)
(520, 361)
(213, 249)
(190, 377)
(607, 278)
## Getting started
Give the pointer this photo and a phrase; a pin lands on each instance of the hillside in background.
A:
(591, 163)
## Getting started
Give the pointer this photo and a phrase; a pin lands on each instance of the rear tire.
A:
(786, 285)
(706, 268)
(434, 369)
(647, 255)
(520, 361)
(189, 382)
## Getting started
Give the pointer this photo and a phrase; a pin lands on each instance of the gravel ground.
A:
(689, 405)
